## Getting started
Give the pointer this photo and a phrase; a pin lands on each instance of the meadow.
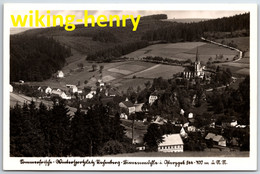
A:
(135, 73)
(184, 51)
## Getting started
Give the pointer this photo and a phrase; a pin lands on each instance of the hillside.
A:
(85, 41)
(90, 40)
(35, 58)
(110, 43)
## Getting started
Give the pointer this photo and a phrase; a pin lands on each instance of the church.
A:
(194, 71)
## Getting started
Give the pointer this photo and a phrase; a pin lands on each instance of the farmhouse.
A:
(61, 94)
(217, 139)
(128, 105)
(194, 71)
(171, 143)
(60, 74)
(45, 89)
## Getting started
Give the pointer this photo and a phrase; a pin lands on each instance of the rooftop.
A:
(171, 139)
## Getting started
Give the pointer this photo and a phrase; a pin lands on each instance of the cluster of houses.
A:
(174, 142)
(130, 108)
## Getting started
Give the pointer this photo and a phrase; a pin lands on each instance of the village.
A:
(137, 110)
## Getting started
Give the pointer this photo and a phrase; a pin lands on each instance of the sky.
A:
(79, 14)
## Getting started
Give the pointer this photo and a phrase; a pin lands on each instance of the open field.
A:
(159, 70)
(124, 84)
(135, 73)
(185, 154)
(184, 51)
(242, 66)
(241, 42)
(119, 74)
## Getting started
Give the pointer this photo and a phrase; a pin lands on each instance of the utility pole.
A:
(133, 120)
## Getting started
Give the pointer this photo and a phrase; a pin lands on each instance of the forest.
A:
(235, 26)
(193, 31)
(35, 58)
(52, 132)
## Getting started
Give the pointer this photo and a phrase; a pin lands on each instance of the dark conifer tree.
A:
(59, 132)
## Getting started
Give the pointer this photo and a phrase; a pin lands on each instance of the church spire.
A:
(197, 55)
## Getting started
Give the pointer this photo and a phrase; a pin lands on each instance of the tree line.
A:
(35, 58)
(193, 31)
(41, 131)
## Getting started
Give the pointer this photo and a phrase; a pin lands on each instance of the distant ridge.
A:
(186, 20)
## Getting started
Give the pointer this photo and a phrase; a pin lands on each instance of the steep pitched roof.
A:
(214, 137)
(218, 138)
(128, 104)
(210, 136)
(171, 139)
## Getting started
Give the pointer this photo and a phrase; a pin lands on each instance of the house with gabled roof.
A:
(217, 139)
(61, 94)
(60, 74)
(171, 143)
(128, 105)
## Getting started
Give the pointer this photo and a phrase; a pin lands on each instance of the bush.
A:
(112, 147)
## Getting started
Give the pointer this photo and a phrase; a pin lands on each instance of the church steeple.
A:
(197, 55)
(197, 64)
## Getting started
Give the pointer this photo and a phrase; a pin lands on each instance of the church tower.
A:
(197, 65)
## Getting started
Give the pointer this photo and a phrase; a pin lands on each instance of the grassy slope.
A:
(184, 51)
(242, 66)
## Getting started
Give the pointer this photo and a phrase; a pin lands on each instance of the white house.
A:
(233, 123)
(171, 143)
(191, 129)
(60, 74)
(45, 89)
(48, 90)
(65, 96)
(123, 116)
(183, 133)
(91, 94)
(190, 115)
(61, 94)
(11, 88)
(128, 105)
(74, 89)
(152, 98)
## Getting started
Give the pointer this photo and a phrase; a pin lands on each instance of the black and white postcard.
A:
(130, 87)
